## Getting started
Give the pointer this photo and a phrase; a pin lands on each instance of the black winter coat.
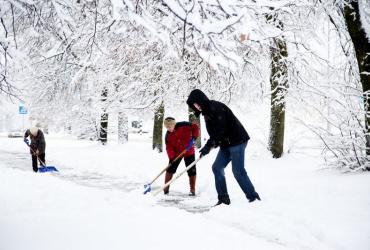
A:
(224, 129)
(37, 142)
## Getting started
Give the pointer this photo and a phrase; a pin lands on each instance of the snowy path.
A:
(301, 208)
(22, 161)
(46, 204)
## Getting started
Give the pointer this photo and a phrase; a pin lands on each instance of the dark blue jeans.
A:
(235, 154)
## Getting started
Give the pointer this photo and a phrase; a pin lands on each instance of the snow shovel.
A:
(147, 187)
(177, 176)
(43, 167)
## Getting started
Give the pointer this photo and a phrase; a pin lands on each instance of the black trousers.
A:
(34, 161)
(188, 160)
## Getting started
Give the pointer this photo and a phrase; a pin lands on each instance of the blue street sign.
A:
(22, 110)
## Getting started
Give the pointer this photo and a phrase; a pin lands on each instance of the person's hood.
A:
(197, 96)
(34, 131)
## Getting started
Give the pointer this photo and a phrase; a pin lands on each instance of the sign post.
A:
(22, 111)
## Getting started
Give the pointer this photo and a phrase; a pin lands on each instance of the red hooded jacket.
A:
(178, 140)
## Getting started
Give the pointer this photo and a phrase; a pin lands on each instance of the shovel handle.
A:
(34, 153)
(169, 165)
(177, 176)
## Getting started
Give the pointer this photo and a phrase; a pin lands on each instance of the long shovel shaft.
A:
(177, 176)
(44, 168)
(34, 153)
(169, 165)
(147, 187)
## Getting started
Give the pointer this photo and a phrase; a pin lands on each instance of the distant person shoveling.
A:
(37, 149)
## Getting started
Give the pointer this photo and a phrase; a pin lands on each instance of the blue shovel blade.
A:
(147, 188)
(44, 169)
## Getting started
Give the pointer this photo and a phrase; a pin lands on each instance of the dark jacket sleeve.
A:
(27, 133)
(217, 126)
(41, 144)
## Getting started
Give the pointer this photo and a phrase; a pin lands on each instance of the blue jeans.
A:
(235, 154)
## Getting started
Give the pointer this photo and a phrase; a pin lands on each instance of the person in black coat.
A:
(226, 132)
(37, 146)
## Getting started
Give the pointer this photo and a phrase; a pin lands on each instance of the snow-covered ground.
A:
(96, 202)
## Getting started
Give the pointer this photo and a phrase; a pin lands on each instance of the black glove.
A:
(26, 140)
(205, 150)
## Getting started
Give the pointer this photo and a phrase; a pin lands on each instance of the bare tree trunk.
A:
(103, 137)
(158, 128)
(190, 63)
(362, 50)
(279, 87)
(196, 120)
(122, 128)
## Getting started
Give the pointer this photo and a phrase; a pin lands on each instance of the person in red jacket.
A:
(178, 136)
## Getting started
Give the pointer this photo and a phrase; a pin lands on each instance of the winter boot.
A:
(192, 180)
(223, 201)
(256, 197)
(167, 178)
